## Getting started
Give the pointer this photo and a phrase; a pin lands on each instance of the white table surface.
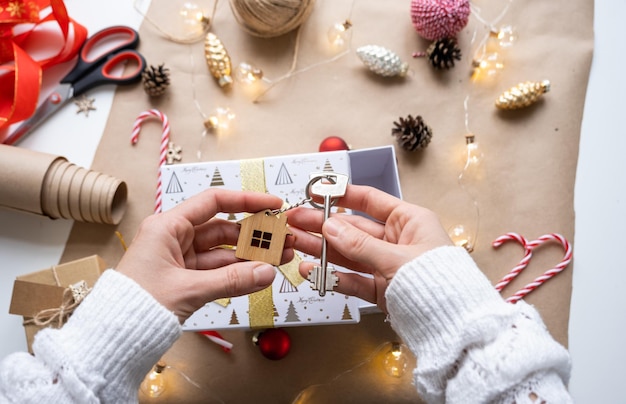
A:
(597, 323)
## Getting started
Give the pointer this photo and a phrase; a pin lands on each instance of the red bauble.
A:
(274, 343)
(333, 143)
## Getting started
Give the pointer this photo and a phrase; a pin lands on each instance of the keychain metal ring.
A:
(333, 202)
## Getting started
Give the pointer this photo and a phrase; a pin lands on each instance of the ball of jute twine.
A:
(270, 18)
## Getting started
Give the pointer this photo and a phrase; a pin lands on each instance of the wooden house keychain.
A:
(262, 235)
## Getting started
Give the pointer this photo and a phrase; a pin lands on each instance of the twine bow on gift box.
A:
(73, 295)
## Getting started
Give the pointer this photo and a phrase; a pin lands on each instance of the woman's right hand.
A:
(400, 232)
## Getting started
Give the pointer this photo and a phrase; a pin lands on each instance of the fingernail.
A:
(332, 227)
(264, 275)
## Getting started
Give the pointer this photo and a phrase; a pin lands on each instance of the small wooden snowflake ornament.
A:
(84, 105)
(174, 153)
(262, 237)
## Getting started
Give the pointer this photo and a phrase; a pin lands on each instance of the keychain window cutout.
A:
(262, 237)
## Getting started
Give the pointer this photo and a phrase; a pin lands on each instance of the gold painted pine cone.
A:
(218, 60)
(522, 95)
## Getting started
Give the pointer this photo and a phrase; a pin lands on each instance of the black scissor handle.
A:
(124, 37)
(102, 75)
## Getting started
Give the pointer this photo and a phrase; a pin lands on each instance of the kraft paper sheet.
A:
(527, 184)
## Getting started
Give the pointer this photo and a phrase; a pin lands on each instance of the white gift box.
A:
(290, 301)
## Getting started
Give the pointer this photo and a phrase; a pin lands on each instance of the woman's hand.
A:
(177, 256)
(399, 233)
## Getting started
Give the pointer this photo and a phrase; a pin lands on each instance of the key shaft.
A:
(330, 186)
(324, 258)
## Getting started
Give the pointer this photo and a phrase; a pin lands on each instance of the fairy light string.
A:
(196, 103)
(377, 355)
(485, 65)
(488, 61)
(293, 71)
(309, 391)
(202, 20)
(221, 120)
(294, 62)
(462, 236)
(219, 123)
(159, 387)
(472, 158)
(491, 25)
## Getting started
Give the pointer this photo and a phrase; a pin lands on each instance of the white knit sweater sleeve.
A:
(100, 355)
(471, 346)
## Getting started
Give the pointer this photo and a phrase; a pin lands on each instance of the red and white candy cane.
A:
(567, 258)
(522, 264)
(165, 138)
(529, 246)
(217, 338)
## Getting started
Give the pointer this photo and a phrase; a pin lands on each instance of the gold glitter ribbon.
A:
(252, 175)
(253, 179)
(261, 303)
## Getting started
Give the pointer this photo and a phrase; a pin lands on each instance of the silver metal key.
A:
(331, 186)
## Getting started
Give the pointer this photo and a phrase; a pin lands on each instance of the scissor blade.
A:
(51, 104)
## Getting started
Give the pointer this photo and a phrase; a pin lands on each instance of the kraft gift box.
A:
(44, 290)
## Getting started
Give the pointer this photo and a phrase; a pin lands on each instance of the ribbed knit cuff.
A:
(431, 300)
(468, 341)
(113, 338)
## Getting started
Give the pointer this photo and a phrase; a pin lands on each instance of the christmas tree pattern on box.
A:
(291, 307)
(285, 176)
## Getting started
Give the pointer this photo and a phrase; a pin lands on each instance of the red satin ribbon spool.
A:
(20, 73)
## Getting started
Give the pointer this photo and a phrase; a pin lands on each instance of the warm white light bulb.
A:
(247, 73)
(154, 383)
(395, 361)
(221, 121)
(338, 34)
(193, 20)
(488, 67)
(461, 237)
(473, 153)
(507, 36)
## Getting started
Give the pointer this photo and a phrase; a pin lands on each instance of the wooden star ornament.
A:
(85, 104)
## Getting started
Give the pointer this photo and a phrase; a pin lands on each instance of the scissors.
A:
(90, 71)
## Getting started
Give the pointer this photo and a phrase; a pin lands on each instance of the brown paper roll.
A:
(62, 198)
(85, 198)
(49, 185)
(52, 186)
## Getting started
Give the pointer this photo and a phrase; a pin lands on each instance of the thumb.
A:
(357, 245)
(237, 279)
(196, 288)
